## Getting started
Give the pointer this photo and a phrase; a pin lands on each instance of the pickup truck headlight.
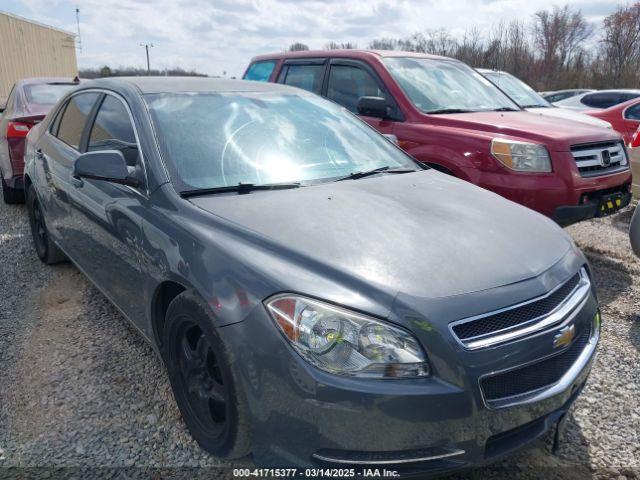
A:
(521, 156)
(347, 343)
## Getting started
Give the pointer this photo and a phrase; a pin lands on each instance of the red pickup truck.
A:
(451, 118)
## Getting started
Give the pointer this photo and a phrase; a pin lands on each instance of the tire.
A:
(11, 195)
(47, 251)
(203, 379)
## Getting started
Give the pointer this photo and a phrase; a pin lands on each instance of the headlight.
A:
(521, 156)
(347, 343)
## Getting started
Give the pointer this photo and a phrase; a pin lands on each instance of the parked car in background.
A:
(625, 117)
(279, 255)
(528, 99)
(634, 159)
(599, 99)
(448, 116)
(557, 95)
(29, 101)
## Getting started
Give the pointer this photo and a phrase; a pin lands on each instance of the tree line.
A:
(557, 48)
(107, 71)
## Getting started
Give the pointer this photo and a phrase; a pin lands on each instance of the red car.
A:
(624, 117)
(451, 118)
(29, 101)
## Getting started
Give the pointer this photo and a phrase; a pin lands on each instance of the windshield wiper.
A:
(449, 110)
(535, 106)
(366, 173)
(505, 109)
(239, 188)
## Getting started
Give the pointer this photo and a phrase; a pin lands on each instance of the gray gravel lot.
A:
(80, 389)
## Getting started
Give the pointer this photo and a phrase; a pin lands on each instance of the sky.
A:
(219, 37)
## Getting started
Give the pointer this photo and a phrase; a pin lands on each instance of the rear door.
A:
(107, 216)
(632, 119)
(348, 80)
(56, 153)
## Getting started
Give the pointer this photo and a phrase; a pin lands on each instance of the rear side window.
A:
(601, 100)
(347, 84)
(112, 130)
(46, 93)
(74, 117)
(260, 71)
(632, 113)
(308, 77)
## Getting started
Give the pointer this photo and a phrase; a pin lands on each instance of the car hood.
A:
(425, 234)
(569, 115)
(556, 133)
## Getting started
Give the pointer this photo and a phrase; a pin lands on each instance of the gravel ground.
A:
(81, 394)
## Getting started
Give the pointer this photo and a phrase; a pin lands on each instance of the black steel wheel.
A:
(46, 249)
(202, 380)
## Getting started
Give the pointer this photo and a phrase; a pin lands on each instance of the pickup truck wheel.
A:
(46, 250)
(11, 195)
(202, 378)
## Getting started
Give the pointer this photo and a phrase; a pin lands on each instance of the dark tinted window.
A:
(112, 130)
(308, 77)
(632, 113)
(347, 84)
(625, 97)
(602, 99)
(74, 118)
(46, 93)
(260, 71)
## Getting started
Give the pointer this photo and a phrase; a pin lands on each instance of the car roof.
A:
(617, 90)
(188, 84)
(350, 53)
(42, 80)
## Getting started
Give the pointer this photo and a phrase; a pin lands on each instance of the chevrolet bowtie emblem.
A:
(564, 336)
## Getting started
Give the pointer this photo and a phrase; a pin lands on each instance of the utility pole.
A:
(146, 47)
(79, 41)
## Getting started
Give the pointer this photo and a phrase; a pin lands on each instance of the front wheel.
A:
(202, 379)
(46, 250)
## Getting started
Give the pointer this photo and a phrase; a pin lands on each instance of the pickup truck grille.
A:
(533, 377)
(603, 158)
(522, 319)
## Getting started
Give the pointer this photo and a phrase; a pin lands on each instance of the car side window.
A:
(601, 100)
(8, 106)
(308, 77)
(73, 119)
(260, 71)
(633, 112)
(348, 83)
(112, 130)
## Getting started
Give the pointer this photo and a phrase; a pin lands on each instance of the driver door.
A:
(107, 216)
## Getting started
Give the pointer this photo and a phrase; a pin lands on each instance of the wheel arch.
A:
(163, 295)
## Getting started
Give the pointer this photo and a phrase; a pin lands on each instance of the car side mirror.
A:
(106, 165)
(373, 107)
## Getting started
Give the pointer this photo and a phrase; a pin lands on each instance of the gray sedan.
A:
(317, 297)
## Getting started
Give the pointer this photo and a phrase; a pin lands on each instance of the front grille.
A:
(535, 376)
(516, 316)
(603, 158)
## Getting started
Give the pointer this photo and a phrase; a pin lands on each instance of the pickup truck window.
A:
(633, 113)
(347, 84)
(260, 71)
(307, 77)
(440, 86)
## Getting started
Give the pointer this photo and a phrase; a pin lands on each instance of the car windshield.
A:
(213, 140)
(518, 91)
(46, 93)
(438, 86)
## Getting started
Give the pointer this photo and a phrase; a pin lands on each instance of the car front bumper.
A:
(304, 417)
